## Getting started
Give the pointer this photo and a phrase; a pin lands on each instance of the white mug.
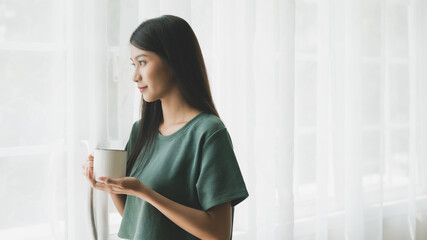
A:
(109, 163)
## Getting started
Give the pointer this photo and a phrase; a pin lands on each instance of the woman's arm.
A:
(214, 223)
(120, 201)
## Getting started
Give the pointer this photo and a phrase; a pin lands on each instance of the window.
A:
(33, 120)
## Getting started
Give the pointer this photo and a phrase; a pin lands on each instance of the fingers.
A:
(87, 170)
(84, 166)
(105, 184)
(88, 166)
(111, 181)
(88, 173)
(105, 187)
(113, 184)
(94, 183)
(89, 162)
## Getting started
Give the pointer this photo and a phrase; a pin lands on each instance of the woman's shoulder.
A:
(208, 124)
(135, 127)
(136, 124)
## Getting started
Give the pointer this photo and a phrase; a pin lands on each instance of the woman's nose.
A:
(136, 76)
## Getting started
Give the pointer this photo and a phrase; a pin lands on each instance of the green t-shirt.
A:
(195, 166)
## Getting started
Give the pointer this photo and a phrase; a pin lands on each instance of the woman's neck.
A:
(176, 110)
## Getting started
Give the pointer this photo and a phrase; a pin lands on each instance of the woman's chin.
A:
(148, 99)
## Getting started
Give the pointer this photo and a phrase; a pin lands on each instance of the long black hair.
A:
(173, 40)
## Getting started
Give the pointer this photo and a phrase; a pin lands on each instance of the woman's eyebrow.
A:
(140, 55)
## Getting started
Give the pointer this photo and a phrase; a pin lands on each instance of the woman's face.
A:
(152, 76)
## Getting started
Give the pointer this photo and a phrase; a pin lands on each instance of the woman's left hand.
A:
(125, 185)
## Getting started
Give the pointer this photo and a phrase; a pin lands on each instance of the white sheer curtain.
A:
(324, 101)
(359, 120)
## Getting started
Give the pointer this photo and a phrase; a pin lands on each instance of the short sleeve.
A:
(220, 179)
(132, 139)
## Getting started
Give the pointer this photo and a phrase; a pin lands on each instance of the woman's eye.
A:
(140, 63)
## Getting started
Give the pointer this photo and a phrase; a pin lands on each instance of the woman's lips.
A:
(141, 89)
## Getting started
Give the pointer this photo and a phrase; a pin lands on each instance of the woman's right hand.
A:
(88, 169)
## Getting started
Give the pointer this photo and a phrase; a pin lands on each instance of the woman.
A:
(183, 179)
